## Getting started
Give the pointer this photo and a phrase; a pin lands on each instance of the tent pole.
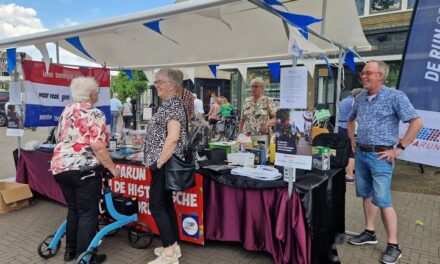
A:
(291, 170)
(324, 14)
(57, 45)
(338, 87)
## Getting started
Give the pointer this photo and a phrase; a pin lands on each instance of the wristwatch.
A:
(400, 146)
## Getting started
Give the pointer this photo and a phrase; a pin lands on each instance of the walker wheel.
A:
(86, 257)
(43, 248)
(140, 236)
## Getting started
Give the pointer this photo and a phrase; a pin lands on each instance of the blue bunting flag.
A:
(274, 68)
(12, 59)
(76, 42)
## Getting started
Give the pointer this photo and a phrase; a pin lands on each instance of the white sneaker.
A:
(162, 259)
(159, 250)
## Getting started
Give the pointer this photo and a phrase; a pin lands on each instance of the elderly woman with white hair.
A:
(81, 142)
(166, 135)
(127, 113)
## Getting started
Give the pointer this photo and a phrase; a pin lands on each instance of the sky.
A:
(21, 17)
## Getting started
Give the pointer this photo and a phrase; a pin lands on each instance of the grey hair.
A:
(175, 77)
(82, 87)
(383, 68)
(259, 81)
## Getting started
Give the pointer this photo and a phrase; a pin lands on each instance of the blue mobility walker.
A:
(139, 235)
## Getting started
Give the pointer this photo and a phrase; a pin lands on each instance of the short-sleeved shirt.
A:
(213, 112)
(256, 113)
(127, 109)
(172, 109)
(225, 110)
(378, 119)
(79, 125)
(345, 107)
(188, 101)
(115, 105)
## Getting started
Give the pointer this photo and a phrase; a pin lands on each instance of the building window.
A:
(380, 6)
(360, 5)
(411, 4)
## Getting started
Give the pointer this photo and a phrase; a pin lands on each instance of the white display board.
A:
(293, 88)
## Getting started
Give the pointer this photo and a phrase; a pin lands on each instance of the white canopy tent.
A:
(202, 32)
(206, 32)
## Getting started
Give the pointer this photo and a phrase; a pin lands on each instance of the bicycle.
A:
(225, 129)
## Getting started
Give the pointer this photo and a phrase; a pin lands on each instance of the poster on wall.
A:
(135, 181)
(293, 88)
(420, 80)
(47, 93)
(292, 148)
(15, 121)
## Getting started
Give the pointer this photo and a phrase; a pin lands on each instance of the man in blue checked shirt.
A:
(378, 111)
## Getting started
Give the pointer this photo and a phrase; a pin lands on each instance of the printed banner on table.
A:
(47, 93)
(426, 147)
(420, 80)
(135, 181)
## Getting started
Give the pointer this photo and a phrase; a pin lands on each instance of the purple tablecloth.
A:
(262, 220)
(33, 169)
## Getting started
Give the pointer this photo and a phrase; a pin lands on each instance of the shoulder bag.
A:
(180, 174)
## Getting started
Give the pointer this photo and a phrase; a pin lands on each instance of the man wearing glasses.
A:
(259, 111)
(378, 111)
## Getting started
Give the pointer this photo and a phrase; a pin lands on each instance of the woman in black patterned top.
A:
(166, 135)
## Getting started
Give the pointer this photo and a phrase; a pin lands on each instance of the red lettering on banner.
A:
(35, 71)
(135, 181)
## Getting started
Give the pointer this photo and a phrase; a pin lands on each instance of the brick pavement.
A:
(22, 231)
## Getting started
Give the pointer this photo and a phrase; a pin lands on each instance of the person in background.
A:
(345, 107)
(213, 114)
(225, 108)
(115, 109)
(186, 96)
(81, 127)
(198, 106)
(166, 136)
(378, 111)
(258, 112)
(127, 113)
(213, 98)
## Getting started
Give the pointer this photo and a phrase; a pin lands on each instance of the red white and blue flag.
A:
(47, 93)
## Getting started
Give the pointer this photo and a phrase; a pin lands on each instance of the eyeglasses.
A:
(367, 73)
(159, 82)
(255, 86)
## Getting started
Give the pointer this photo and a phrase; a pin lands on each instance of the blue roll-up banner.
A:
(420, 80)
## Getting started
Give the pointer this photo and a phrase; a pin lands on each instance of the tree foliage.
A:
(125, 87)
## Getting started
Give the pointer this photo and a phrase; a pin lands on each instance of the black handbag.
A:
(180, 174)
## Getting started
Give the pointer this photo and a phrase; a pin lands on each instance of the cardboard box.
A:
(321, 158)
(13, 196)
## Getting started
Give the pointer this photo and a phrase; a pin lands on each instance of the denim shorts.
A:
(373, 178)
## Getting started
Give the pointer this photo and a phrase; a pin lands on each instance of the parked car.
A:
(4, 98)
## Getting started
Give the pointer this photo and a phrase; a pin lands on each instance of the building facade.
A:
(385, 24)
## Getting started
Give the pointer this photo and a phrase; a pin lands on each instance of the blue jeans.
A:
(373, 178)
(114, 123)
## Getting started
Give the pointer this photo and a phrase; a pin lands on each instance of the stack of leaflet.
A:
(260, 172)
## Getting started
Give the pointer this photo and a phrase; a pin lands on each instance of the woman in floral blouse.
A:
(166, 135)
(81, 142)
